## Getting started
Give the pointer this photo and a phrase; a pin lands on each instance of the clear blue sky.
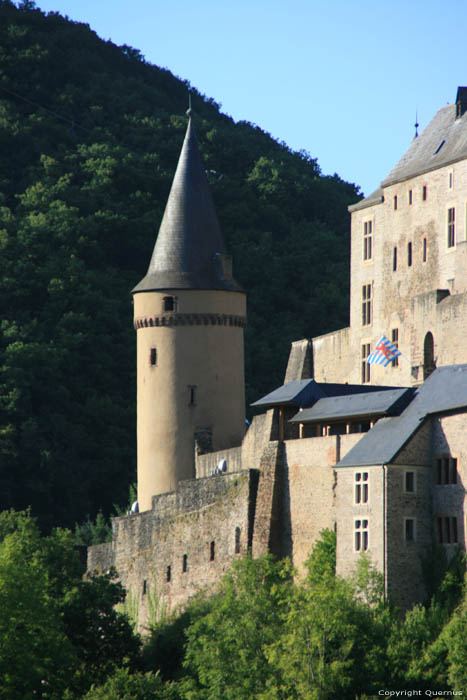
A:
(339, 78)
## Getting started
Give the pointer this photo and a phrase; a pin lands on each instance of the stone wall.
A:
(206, 464)
(184, 544)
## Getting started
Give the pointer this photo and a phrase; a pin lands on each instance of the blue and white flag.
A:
(384, 353)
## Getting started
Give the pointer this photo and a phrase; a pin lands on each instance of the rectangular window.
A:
(168, 575)
(409, 254)
(424, 249)
(410, 197)
(395, 201)
(451, 180)
(395, 341)
(394, 259)
(361, 487)
(409, 482)
(447, 530)
(366, 304)
(169, 303)
(367, 240)
(451, 227)
(153, 357)
(361, 535)
(446, 471)
(185, 563)
(212, 551)
(424, 193)
(237, 540)
(365, 365)
(409, 527)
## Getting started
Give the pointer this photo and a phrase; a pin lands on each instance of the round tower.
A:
(189, 314)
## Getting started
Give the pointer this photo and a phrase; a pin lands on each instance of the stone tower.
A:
(189, 314)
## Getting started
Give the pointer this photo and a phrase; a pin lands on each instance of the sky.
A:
(341, 79)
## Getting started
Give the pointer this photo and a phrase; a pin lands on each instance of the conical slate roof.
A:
(190, 251)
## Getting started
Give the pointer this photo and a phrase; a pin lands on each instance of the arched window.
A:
(428, 355)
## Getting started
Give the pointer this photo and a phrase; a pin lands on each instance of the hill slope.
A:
(89, 140)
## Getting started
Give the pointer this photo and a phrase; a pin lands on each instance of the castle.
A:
(377, 453)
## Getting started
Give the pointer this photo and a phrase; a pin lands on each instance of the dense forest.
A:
(90, 135)
(260, 636)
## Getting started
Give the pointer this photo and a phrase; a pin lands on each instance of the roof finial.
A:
(189, 111)
(416, 124)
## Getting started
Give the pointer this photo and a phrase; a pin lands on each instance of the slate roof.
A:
(445, 390)
(442, 142)
(185, 253)
(368, 404)
(304, 392)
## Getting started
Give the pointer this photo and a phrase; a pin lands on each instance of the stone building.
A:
(378, 454)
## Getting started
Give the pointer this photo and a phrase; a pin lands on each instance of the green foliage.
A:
(90, 135)
(58, 632)
(138, 686)
(226, 646)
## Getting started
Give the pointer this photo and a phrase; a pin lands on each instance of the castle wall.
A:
(404, 577)
(181, 524)
(449, 499)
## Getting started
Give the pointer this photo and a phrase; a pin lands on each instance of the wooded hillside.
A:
(89, 140)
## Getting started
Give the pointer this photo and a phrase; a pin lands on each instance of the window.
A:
(395, 341)
(409, 254)
(409, 527)
(237, 540)
(395, 201)
(394, 259)
(428, 355)
(410, 197)
(212, 551)
(451, 180)
(185, 563)
(361, 487)
(424, 193)
(424, 248)
(367, 240)
(366, 305)
(365, 365)
(168, 575)
(192, 400)
(145, 587)
(446, 471)
(409, 482)
(153, 357)
(169, 303)
(361, 535)
(451, 227)
(447, 530)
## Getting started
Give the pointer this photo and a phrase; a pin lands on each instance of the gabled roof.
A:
(442, 142)
(305, 392)
(189, 251)
(365, 405)
(444, 391)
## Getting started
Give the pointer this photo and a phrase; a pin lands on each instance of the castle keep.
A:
(377, 453)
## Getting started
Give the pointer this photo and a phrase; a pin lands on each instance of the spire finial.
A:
(189, 111)
(416, 123)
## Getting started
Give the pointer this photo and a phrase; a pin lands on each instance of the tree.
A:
(226, 647)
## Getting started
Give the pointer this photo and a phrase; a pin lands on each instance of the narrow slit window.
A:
(212, 551)
(185, 563)
(410, 482)
(394, 259)
(395, 342)
(153, 357)
(409, 254)
(168, 575)
(410, 197)
(451, 227)
(409, 529)
(424, 249)
(145, 587)
(237, 540)
(424, 193)
(192, 395)
(395, 201)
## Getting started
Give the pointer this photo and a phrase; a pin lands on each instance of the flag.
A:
(384, 353)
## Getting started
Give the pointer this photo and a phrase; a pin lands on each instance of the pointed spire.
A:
(416, 124)
(190, 251)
